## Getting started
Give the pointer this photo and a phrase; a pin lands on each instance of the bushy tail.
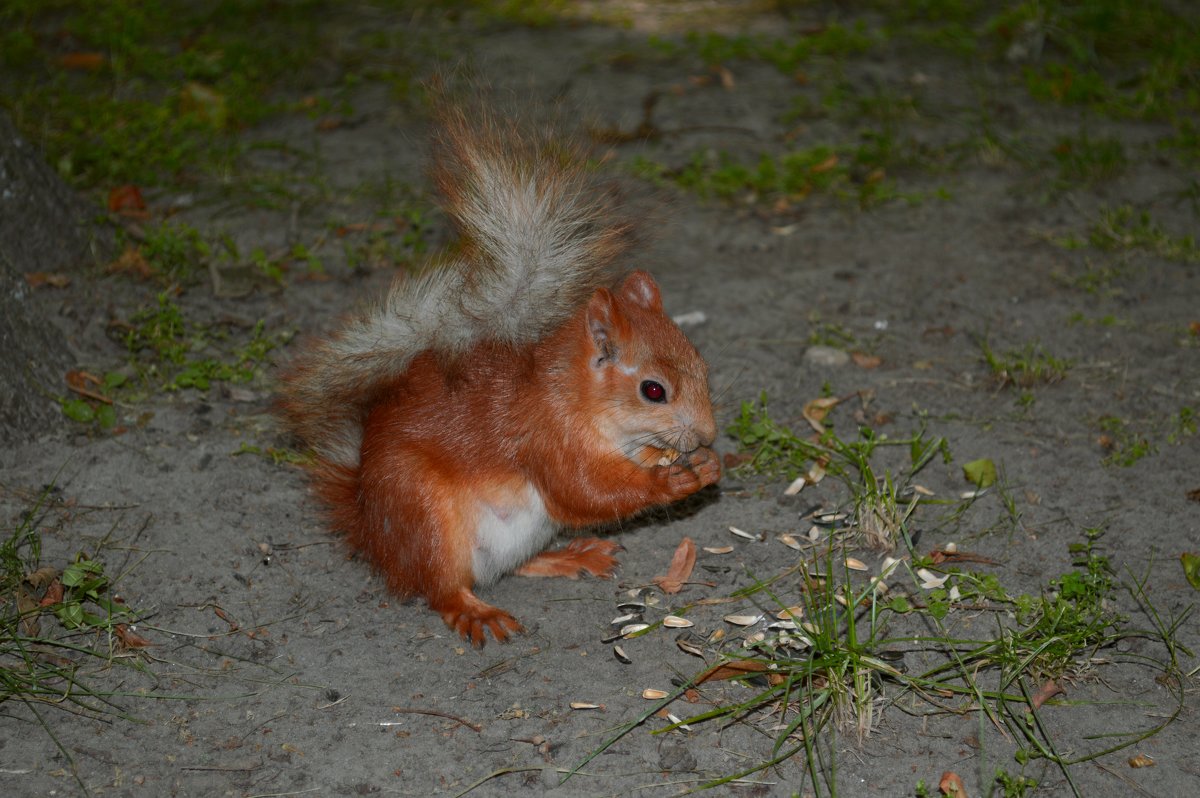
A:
(538, 237)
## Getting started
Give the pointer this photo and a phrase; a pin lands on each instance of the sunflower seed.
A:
(829, 519)
(621, 656)
(797, 485)
(650, 694)
(743, 620)
(675, 622)
(633, 629)
(631, 606)
(718, 549)
(781, 626)
(741, 533)
(688, 645)
(790, 613)
(930, 580)
(789, 541)
(585, 705)
(856, 565)
(628, 617)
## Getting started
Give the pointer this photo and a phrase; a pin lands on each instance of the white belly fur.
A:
(509, 534)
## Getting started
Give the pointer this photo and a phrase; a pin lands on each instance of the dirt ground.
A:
(279, 664)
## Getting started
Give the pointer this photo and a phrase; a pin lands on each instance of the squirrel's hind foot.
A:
(472, 618)
(580, 557)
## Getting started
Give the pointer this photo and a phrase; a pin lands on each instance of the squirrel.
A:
(508, 392)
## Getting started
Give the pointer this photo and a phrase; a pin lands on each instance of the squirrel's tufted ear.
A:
(640, 288)
(602, 319)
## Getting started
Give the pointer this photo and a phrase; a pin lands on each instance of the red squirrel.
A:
(506, 393)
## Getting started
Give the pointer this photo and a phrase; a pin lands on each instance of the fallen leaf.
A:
(732, 460)
(130, 638)
(824, 166)
(1045, 693)
(1191, 568)
(77, 382)
(736, 669)
(203, 102)
(127, 200)
(42, 576)
(131, 261)
(939, 556)
(816, 410)
(952, 785)
(981, 473)
(85, 62)
(54, 280)
(54, 594)
(682, 563)
(865, 361)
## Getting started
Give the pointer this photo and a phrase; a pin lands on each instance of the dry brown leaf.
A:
(682, 563)
(952, 785)
(129, 638)
(41, 577)
(1045, 693)
(732, 460)
(127, 200)
(77, 382)
(734, 670)
(816, 410)
(865, 361)
(84, 62)
(824, 166)
(52, 279)
(131, 261)
(53, 595)
(940, 556)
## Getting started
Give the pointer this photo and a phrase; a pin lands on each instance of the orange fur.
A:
(450, 455)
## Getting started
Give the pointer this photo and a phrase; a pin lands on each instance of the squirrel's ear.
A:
(640, 288)
(602, 316)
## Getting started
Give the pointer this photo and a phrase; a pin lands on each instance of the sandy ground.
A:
(281, 666)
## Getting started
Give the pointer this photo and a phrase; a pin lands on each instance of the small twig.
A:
(218, 769)
(415, 711)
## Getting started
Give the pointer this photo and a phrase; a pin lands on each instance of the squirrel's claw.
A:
(466, 614)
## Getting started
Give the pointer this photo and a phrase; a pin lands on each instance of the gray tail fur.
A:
(538, 236)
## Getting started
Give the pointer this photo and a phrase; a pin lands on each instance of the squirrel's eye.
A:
(654, 391)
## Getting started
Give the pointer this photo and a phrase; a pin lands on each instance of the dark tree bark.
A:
(44, 227)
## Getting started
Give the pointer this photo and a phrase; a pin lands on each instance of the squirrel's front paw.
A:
(706, 464)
